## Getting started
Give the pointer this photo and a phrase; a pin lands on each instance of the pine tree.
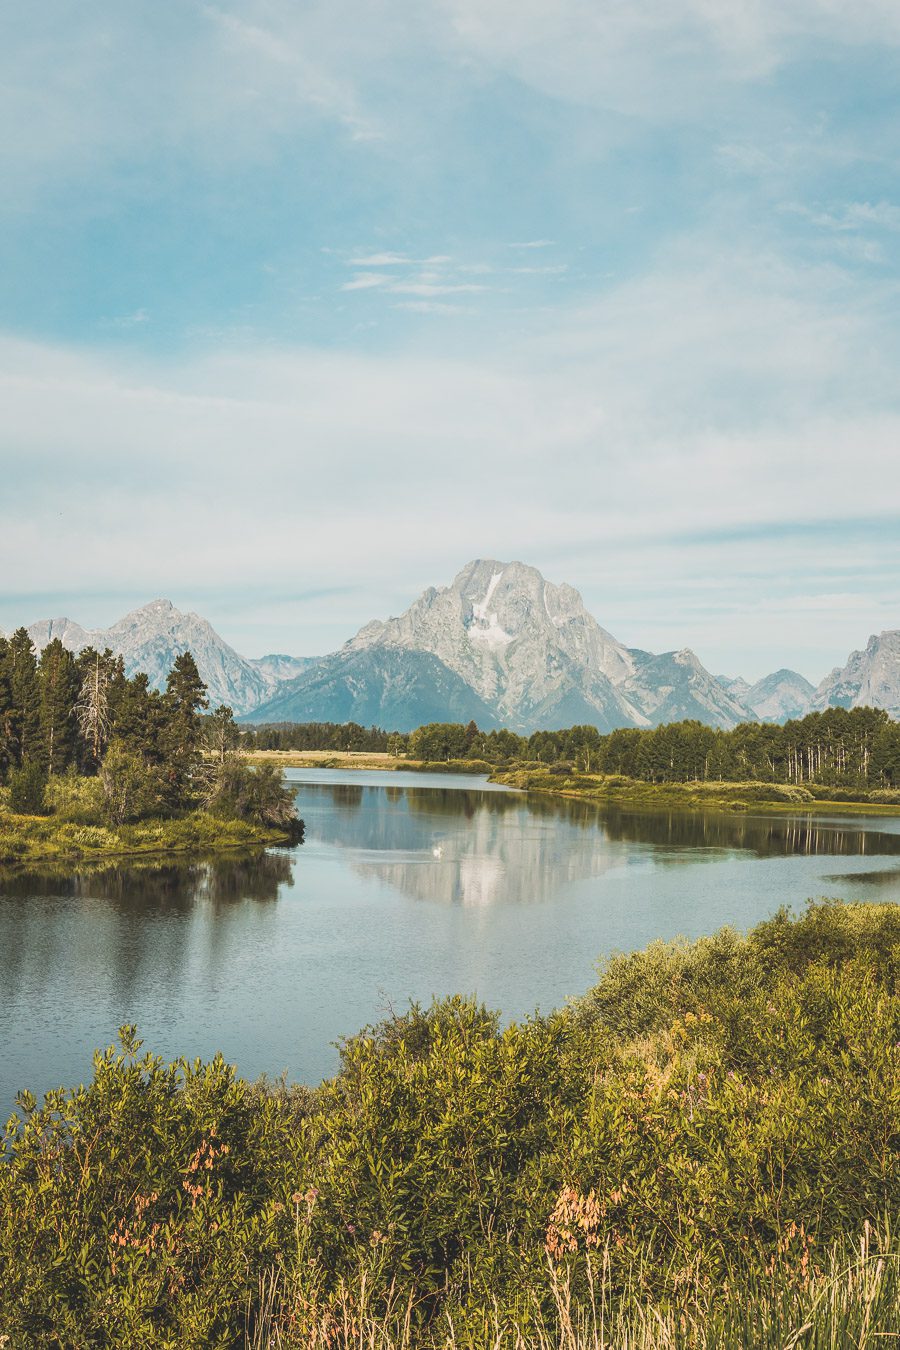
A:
(25, 699)
(182, 729)
(59, 689)
(5, 711)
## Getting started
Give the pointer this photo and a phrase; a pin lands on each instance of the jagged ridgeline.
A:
(500, 645)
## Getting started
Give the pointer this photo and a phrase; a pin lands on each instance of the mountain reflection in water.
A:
(475, 848)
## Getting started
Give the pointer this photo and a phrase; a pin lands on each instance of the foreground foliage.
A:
(693, 1151)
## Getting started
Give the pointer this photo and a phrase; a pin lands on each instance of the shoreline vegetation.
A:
(94, 765)
(742, 797)
(608, 789)
(701, 1152)
(845, 760)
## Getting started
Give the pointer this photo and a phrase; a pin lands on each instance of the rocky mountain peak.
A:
(870, 678)
(519, 642)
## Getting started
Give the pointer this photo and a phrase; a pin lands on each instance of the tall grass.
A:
(851, 1300)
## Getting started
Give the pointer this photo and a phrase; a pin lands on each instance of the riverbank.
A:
(610, 789)
(700, 1152)
(748, 798)
(362, 759)
(30, 839)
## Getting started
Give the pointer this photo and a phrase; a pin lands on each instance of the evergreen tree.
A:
(25, 699)
(6, 722)
(182, 729)
(59, 689)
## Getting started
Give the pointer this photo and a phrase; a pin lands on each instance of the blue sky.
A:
(303, 305)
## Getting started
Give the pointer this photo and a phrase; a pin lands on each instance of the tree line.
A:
(154, 751)
(857, 747)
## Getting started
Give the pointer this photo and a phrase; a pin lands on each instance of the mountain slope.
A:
(398, 690)
(675, 686)
(150, 638)
(780, 696)
(870, 678)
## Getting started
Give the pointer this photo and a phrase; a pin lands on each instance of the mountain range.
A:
(500, 645)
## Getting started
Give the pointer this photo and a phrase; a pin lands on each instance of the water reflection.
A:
(476, 848)
(141, 913)
(766, 836)
(175, 885)
(271, 957)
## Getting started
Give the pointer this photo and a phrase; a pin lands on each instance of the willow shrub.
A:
(711, 1115)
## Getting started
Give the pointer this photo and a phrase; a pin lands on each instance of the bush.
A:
(28, 790)
(131, 789)
(699, 1136)
(237, 791)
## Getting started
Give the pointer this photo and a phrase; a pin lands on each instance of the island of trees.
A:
(87, 754)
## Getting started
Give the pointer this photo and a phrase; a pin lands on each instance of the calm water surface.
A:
(407, 886)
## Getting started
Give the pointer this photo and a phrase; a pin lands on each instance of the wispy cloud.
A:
(432, 307)
(380, 260)
(434, 288)
(849, 215)
(133, 320)
(365, 281)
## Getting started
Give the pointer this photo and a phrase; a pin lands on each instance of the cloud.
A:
(380, 260)
(556, 269)
(710, 393)
(849, 215)
(431, 307)
(434, 288)
(659, 59)
(365, 281)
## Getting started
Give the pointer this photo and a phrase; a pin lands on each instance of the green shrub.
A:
(697, 1143)
(259, 795)
(28, 790)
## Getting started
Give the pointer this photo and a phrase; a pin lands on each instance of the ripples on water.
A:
(406, 887)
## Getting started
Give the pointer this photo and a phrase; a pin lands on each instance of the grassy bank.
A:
(615, 789)
(362, 759)
(74, 830)
(701, 1152)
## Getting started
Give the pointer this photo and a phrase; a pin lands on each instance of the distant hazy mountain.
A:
(870, 678)
(527, 651)
(675, 686)
(399, 690)
(150, 638)
(780, 696)
(736, 686)
(500, 645)
(277, 667)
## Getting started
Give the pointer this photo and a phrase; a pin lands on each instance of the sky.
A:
(306, 303)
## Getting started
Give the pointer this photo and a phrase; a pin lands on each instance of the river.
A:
(407, 886)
